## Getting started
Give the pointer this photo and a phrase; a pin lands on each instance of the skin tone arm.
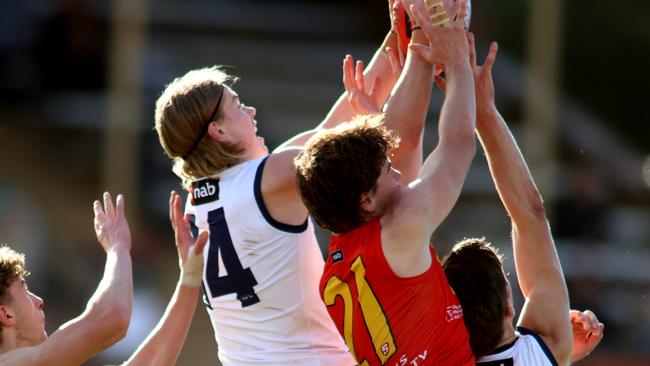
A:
(546, 309)
(163, 345)
(278, 179)
(406, 108)
(108, 311)
(429, 199)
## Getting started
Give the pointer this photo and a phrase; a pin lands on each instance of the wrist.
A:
(190, 279)
(192, 269)
(122, 248)
(485, 109)
(456, 65)
(418, 36)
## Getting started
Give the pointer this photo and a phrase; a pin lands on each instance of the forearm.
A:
(164, 343)
(508, 167)
(106, 317)
(111, 302)
(407, 107)
(458, 114)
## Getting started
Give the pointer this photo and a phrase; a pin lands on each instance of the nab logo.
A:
(204, 191)
(337, 256)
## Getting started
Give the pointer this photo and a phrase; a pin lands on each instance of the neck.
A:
(508, 336)
(8, 341)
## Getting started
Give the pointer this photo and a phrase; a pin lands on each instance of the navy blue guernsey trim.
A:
(257, 189)
(504, 347)
(539, 339)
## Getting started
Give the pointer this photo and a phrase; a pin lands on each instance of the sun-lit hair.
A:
(182, 113)
(338, 166)
(12, 268)
(475, 272)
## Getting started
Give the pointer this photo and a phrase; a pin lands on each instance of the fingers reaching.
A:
(358, 75)
(491, 57)
(109, 210)
(201, 241)
(472, 49)
(459, 17)
(120, 206)
(348, 73)
(98, 211)
(110, 223)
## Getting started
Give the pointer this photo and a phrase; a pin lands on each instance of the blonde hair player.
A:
(262, 262)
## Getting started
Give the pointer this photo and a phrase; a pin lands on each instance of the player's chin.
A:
(260, 141)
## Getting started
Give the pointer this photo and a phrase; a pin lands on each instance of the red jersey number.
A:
(373, 315)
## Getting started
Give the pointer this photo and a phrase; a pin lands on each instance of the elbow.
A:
(117, 325)
(121, 321)
(535, 202)
(531, 209)
(111, 326)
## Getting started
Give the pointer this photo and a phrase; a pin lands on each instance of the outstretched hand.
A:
(587, 333)
(447, 41)
(363, 101)
(111, 226)
(190, 252)
(482, 75)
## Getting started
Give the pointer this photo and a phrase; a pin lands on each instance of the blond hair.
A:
(182, 114)
(12, 268)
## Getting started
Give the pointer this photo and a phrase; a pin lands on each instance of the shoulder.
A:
(405, 221)
(280, 165)
(276, 182)
(21, 356)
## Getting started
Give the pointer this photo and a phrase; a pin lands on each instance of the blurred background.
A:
(79, 78)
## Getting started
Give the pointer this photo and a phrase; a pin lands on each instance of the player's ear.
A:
(367, 202)
(7, 316)
(217, 132)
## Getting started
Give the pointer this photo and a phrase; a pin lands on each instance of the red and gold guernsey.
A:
(386, 319)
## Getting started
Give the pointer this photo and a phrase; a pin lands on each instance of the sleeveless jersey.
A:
(527, 350)
(260, 279)
(388, 320)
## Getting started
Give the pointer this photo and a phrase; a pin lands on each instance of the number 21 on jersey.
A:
(374, 318)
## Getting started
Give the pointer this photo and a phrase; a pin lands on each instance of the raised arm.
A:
(108, 311)
(163, 345)
(379, 72)
(437, 188)
(406, 110)
(539, 273)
